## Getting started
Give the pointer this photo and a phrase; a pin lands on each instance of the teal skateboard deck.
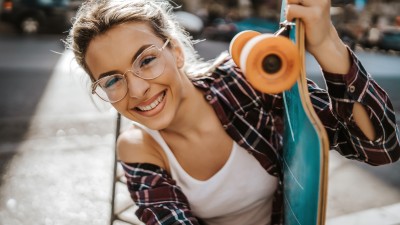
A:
(305, 149)
(276, 64)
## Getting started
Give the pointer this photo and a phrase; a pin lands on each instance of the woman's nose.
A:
(137, 87)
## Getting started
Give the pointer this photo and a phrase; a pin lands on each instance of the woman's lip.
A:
(149, 101)
(154, 111)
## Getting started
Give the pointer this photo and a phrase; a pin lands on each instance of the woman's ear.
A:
(178, 53)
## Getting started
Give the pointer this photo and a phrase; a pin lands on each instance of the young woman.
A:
(205, 144)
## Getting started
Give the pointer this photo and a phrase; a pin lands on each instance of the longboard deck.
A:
(306, 150)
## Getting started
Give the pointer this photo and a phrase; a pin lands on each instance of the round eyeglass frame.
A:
(95, 84)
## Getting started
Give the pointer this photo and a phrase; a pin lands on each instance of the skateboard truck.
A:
(285, 28)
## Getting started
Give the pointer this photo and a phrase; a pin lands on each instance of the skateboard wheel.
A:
(238, 42)
(270, 63)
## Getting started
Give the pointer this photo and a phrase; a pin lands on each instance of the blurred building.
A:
(232, 9)
(354, 19)
(371, 9)
(381, 13)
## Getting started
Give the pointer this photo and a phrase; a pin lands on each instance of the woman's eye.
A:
(111, 82)
(146, 61)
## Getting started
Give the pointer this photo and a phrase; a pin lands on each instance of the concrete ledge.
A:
(388, 215)
(62, 170)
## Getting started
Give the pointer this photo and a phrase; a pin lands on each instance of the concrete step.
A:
(387, 215)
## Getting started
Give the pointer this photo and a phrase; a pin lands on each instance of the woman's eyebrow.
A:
(141, 49)
(138, 52)
(109, 73)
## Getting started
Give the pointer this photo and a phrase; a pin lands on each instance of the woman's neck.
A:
(193, 117)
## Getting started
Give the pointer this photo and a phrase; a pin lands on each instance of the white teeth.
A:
(153, 104)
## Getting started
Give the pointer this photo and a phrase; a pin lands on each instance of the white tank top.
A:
(241, 192)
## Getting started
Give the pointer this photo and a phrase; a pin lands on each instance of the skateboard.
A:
(276, 64)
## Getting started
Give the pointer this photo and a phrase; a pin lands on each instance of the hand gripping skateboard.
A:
(275, 64)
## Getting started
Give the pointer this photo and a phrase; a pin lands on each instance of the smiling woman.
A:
(205, 145)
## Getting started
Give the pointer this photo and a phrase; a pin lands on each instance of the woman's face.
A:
(153, 102)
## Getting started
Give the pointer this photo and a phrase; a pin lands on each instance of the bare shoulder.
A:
(135, 145)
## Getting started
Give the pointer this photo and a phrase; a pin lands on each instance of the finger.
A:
(296, 2)
(295, 11)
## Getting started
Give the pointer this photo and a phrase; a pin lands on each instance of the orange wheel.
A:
(270, 63)
(238, 42)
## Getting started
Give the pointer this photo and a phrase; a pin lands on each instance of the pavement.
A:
(62, 171)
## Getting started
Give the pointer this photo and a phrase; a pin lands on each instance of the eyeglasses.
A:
(149, 65)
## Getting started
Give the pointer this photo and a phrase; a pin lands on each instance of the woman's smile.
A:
(152, 106)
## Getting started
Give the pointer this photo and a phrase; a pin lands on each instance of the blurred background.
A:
(57, 162)
(364, 23)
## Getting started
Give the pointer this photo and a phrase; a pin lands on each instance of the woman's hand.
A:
(322, 39)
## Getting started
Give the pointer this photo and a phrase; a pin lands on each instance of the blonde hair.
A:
(95, 17)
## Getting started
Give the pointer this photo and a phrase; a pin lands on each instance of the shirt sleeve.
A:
(336, 113)
(160, 200)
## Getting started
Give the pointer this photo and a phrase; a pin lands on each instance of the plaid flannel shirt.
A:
(254, 121)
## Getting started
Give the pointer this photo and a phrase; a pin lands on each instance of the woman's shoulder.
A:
(225, 65)
(135, 145)
(220, 67)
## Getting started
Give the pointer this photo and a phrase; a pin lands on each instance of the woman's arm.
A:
(324, 43)
(322, 39)
(159, 199)
(336, 111)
